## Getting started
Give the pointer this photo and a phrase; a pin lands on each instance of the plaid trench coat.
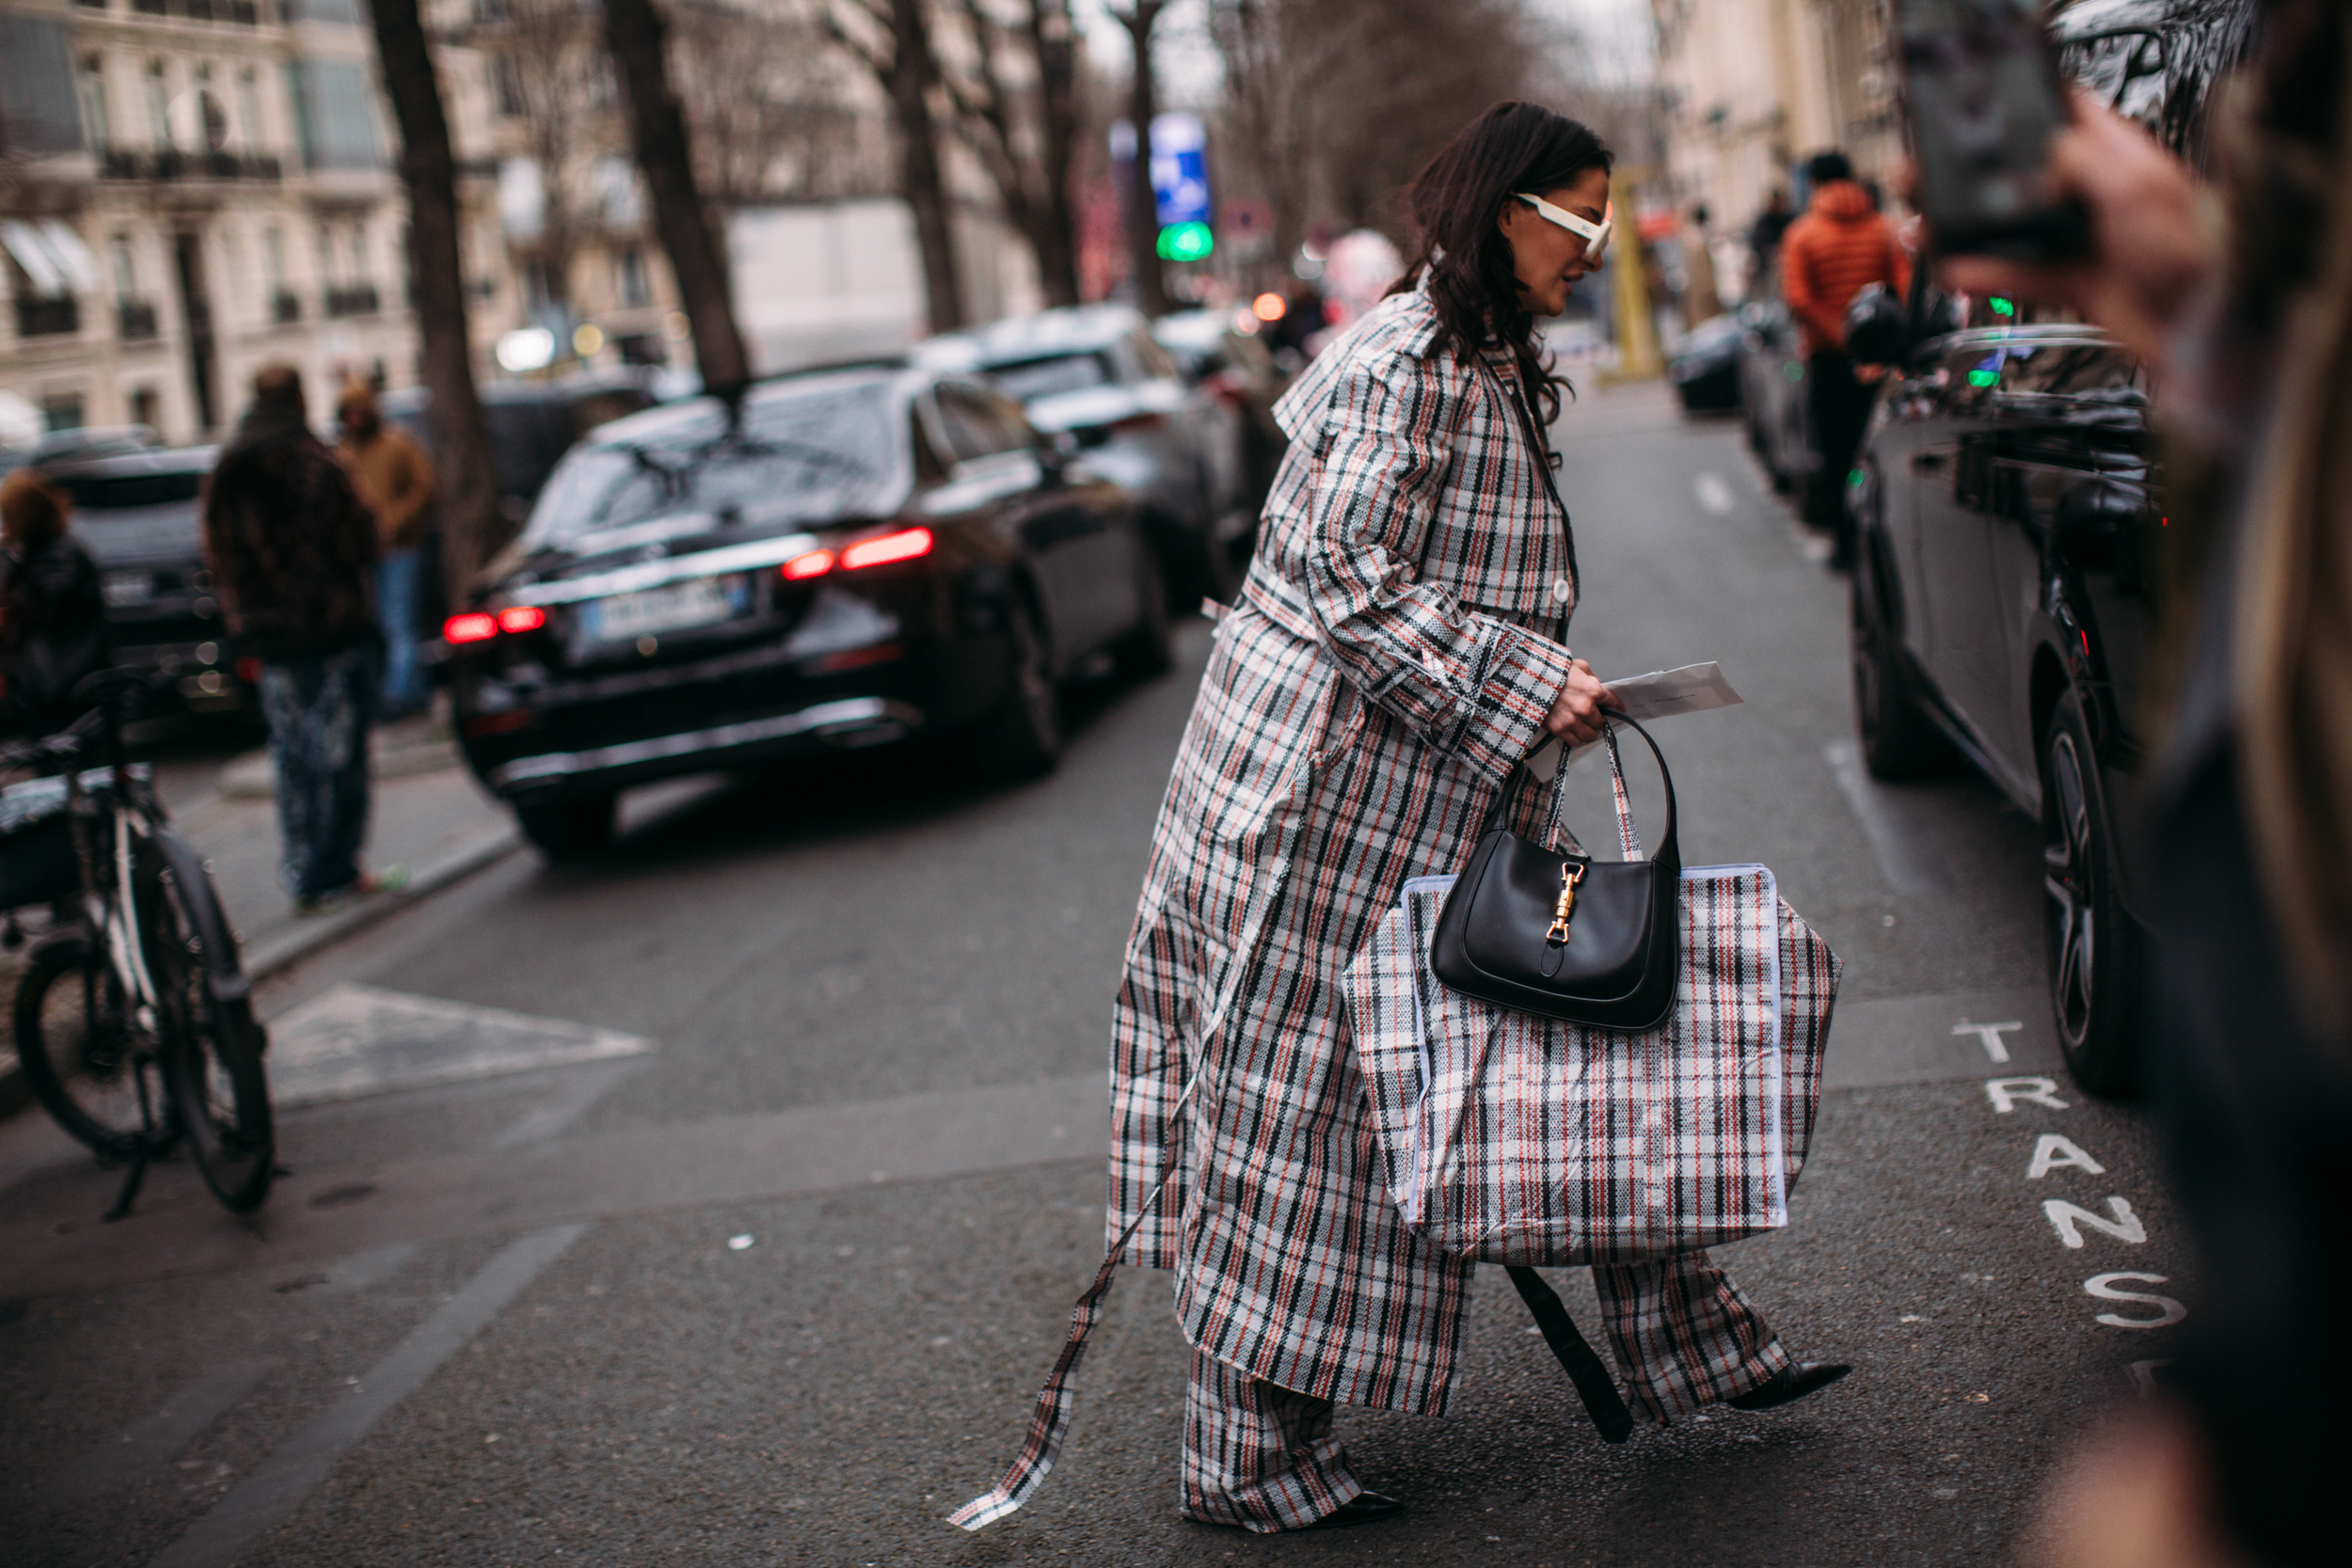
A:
(1389, 660)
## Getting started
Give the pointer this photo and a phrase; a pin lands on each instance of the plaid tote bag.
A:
(1513, 1139)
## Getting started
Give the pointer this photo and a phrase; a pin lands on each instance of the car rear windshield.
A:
(829, 452)
(1032, 379)
(118, 492)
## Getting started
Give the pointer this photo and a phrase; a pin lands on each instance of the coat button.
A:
(1560, 589)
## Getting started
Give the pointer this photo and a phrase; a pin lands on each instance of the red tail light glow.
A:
(816, 563)
(523, 617)
(473, 626)
(905, 544)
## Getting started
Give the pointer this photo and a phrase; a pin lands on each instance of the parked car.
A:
(1704, 365)
(1774, 401)
(531, 425)
(60, 445)
(1238, 368)
(864, 557)
(1096, 374)
(2006, 516)
(138, 514)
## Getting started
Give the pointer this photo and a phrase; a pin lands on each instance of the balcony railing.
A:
(285, 308)
(40, 317)
(360, 299)
(135, 319)
(239, 13)
(122, 163)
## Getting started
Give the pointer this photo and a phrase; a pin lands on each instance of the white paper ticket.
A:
(1664, 693)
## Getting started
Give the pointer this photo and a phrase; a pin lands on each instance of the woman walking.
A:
(1395, 652)
(53, 614)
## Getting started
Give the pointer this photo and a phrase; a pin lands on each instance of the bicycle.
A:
(134, 1020)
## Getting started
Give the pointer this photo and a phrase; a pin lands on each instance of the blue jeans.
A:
(399, 581)
(319, 711)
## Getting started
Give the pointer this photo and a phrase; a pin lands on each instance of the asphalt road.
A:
(774, 1278)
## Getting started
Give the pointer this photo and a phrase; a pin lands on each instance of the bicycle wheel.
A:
(212, 1048)
(89, 1069)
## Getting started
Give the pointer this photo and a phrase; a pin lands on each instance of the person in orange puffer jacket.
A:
(1840, 245)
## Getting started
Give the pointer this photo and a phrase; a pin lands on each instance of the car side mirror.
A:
(1092, 436)
(1875, 333)
(2088, 521)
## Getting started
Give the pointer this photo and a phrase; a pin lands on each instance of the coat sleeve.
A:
(1802, 290)
(1470, 685)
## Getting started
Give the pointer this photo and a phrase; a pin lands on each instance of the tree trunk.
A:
(471, 523)
(912, 72)
(638, 40)
(1053, 38)
(1143, 209)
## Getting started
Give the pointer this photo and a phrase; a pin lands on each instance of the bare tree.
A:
(639, 39)
(1335, 104)
(763, 102)
(892, 40)
(1024, 134)
(554, 79)
(428, 166)
(1143, 208)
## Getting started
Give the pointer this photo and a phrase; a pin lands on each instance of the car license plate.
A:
(128, 588)
(697, 602)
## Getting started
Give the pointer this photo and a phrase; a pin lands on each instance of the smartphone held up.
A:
(1983, 98)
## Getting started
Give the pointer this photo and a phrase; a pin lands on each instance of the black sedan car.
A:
(1704, 365)
(848, 559)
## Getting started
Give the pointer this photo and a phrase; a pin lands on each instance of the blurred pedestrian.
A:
(1828, 256)
(1764, 237)
(53, 611)
(1701, 299)
(395, 480)
(292, 554)
(1395, 652)
(2246, 322)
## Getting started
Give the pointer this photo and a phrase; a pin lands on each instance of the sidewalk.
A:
(429, 818)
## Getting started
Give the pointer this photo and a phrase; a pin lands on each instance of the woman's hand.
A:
(2148, 250)
(1575, 715)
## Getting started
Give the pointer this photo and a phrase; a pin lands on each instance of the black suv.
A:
(2008, 509)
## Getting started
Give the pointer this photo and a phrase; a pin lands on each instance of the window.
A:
(249, 110)
(274, 261)
(506, 86)
(147, 405)
(61, 410)
(326, 258)
(334, 105)
(629, 284)
(158, 107)
(359, 253)
(95, 124)
(126, 274)
(978, 426)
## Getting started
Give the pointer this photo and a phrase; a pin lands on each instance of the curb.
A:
(275, 955)
(278, 954)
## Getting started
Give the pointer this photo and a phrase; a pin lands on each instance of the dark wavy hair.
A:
(1457, 203)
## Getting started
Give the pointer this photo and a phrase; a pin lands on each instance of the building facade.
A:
(193, 187)
(1753, 88)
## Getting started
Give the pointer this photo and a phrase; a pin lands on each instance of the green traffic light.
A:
(1185, 242)
(2002, 306)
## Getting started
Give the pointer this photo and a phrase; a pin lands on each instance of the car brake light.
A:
(816, 563)
(521, 618)
(473, 626)
(905, 544)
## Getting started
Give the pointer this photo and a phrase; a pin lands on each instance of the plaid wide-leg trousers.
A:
(1263, 1457)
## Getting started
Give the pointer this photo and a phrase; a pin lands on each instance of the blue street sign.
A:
(1179, 169)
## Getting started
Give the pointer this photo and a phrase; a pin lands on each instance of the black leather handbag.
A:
(1567, 937)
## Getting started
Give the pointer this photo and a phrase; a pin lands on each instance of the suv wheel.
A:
(2091, 944)
(1022, 740)
(1898, 741)
(568, 827)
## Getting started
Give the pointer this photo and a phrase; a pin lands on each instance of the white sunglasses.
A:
(1595, 235)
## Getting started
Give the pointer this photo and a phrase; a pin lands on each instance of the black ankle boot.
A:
(1792, 1382)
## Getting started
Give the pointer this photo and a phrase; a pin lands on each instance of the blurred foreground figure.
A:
(53, 615)
(2252, 1031)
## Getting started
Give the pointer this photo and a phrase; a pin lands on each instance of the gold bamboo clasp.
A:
(1570, 874)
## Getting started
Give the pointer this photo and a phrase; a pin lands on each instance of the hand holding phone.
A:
(1984, 100)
